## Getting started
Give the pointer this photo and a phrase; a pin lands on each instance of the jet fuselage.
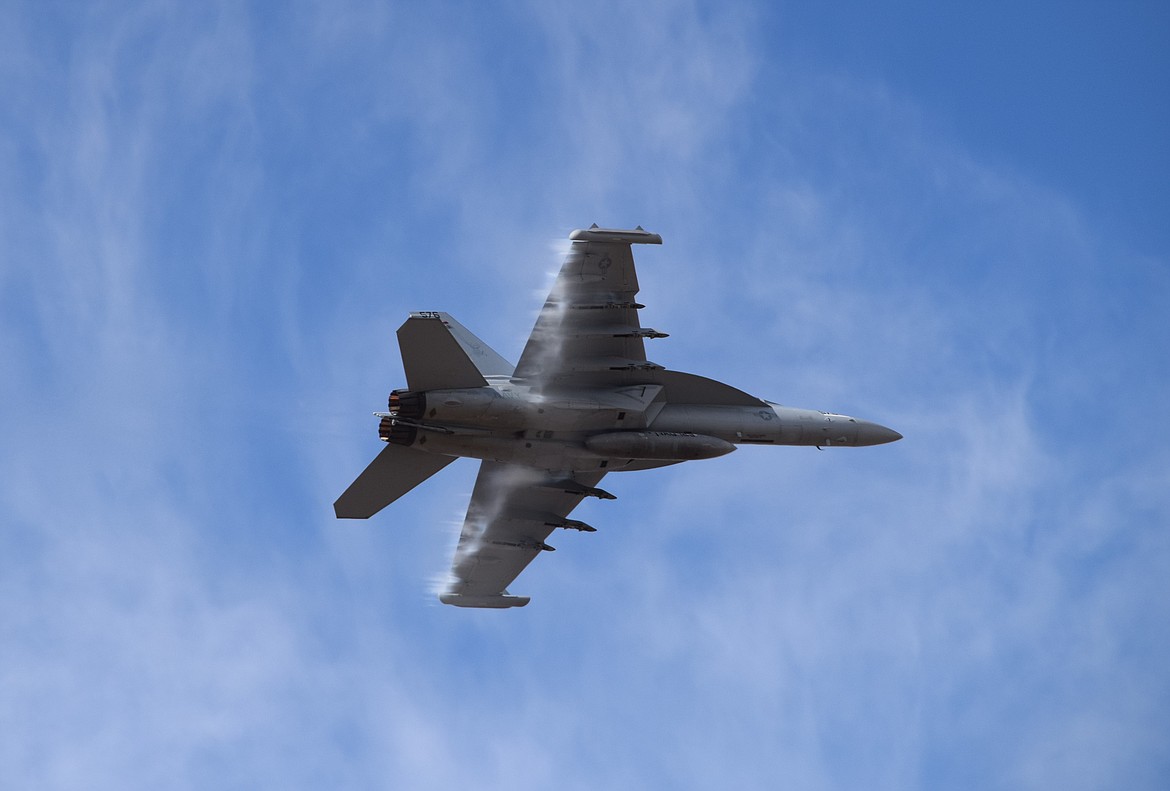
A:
(603, 429)
(582, 401)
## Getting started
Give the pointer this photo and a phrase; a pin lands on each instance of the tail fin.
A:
(483, 356)
(437, 353)
(392, 473)
(440, 353)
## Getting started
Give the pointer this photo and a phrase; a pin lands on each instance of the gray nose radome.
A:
(875, 434)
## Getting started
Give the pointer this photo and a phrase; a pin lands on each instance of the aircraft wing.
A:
(514, 509)
(588, 333)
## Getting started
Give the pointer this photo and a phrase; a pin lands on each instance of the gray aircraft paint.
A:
(582, 401)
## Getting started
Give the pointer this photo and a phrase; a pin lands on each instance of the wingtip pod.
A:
(498, 602)
(595, 234)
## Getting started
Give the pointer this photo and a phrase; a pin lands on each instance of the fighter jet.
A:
(583, 401)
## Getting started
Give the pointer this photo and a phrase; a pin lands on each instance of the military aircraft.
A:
(582, 401)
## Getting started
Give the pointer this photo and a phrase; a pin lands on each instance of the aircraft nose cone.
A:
(875, 434)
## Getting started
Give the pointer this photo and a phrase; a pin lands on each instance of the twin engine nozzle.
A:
(399, 426)
(405, 404)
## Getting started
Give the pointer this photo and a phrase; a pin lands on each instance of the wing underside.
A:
(514, 509)
(588, 331)
(588, 337)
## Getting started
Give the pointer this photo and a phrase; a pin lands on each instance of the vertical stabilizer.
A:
(439, 353)
(481, 355)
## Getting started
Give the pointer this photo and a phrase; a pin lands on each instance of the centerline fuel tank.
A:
(658, 445)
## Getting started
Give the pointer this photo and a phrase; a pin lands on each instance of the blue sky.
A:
(950, 221)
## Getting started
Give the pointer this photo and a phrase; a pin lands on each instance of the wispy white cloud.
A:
(203, 323)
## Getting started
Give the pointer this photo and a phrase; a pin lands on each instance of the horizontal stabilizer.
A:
(497, 602)
(392, 473)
